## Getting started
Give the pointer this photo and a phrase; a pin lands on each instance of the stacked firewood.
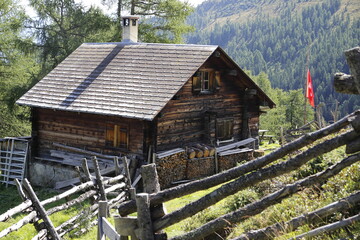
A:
(171, 168)
(197, 168)
(200, 150)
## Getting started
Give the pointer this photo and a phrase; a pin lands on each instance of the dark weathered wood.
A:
(353, 59)
(271, 199)
(178, 191)
(99, 181)
(353, 147)
(329, 227)
(355, 122)
(40, 209)
(145, 230)
(318, 215)
(253, 178)
(344, 83)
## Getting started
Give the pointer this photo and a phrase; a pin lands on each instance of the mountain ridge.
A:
(283, 38)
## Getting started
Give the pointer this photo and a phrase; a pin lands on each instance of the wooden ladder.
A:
(13, 156)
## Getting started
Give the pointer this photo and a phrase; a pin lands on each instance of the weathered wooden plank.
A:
(41, 210)
(235, 145)
(235, 151)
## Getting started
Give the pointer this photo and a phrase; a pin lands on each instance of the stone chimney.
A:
(130, 28)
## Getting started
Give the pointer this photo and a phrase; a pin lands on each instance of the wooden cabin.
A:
(127, 97)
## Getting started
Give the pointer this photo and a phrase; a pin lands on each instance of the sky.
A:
(31, 13)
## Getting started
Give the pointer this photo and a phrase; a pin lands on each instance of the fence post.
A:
(151, 185)
(103, 209)
(117, 166)
(145, 230)
(40, 209)
(99, 180)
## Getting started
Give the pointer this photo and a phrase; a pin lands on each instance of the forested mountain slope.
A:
(276, 37)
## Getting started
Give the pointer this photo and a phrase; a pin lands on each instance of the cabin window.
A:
(224, 129)
(117, 136)
(206, 81)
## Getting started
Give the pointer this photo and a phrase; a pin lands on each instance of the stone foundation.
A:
(47, 174)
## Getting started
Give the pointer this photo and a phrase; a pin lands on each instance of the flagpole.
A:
(305, 81)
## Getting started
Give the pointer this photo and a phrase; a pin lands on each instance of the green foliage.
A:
(17, 69)
(163, 21)
(62, 25)
(241, 199)
(276, 37)
(289, 111)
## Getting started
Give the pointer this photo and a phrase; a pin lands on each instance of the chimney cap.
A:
(131, 17)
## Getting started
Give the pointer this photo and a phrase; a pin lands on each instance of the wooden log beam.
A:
(344, 83)
(329, 227)
(205, 183)
(15, 210)
(318, 215)
(27, 219)
(271, 199)
(353, 147)
(99, 180)
(353, 59)
(253, 178)
(41, 210)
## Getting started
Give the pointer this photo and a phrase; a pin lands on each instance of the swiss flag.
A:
(310, 90)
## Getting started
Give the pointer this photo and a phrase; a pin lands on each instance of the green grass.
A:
(342, 185)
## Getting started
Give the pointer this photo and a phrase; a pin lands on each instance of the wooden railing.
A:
(95, 189)
(251, 173)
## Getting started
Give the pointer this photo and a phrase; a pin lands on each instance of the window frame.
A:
(114, 136)
(227, 125)
(206, 80)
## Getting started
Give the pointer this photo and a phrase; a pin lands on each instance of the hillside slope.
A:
(282, 38)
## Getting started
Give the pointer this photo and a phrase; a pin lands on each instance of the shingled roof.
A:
(132, 80)
(127, 80)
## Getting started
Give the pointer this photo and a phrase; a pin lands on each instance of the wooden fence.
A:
(96, 189)
(347, 132)
(151, 218)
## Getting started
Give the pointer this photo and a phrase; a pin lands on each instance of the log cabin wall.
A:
(82, 130)
(191, 117)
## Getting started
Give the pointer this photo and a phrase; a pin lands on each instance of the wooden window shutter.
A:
(212, 80)
(123, 138)
(217, 80)
(196, 82)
